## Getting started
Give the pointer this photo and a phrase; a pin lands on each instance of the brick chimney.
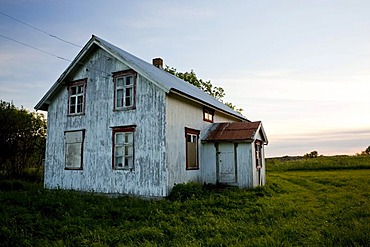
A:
(158, 62)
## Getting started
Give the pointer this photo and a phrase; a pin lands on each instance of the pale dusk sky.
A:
(301, 67)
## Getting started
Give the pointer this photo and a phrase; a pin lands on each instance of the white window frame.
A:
(208, 114)
(124, 93)
(78, 97)
(123, 157)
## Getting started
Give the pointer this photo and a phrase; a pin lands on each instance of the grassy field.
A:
(312, 202)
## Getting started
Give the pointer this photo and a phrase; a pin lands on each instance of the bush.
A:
(184, 191)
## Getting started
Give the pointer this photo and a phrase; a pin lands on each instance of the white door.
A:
(226, 163)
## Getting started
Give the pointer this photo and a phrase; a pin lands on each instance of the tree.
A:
(216, 92)
(313, 154)
(22, 139)
(367, 150)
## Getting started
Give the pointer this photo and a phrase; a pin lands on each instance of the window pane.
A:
(119, 98)
(80, 100)
(73, 90)
(119, 138)
(129, 80)
(80, 89)
(72, 105)
(73, 155)
(73, 100)
(119, 83)
(118, 151)
(128, 97)
(79, 103)
(128, 150)
(129, 162)
(72, 109)
(128, 101)
(118, 161)
(129, 137)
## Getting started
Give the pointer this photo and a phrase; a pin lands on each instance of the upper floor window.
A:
(123, 147)
(208, 114)
(124, 89)
(76, 97)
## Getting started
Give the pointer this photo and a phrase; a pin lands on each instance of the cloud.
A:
(325, 142)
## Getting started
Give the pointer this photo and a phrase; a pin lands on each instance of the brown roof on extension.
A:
(239, 131)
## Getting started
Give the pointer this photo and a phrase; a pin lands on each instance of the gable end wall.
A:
(149, 176)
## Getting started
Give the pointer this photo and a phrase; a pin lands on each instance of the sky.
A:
(301, 67)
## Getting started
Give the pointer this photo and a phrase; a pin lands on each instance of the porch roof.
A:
(237, 131)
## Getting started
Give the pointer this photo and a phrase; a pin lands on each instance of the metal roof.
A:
(239, 131)
(163, 79)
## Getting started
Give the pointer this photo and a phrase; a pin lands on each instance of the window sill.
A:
(73, 168)
(192, 168)
(77, 114)
(206, 120)
(123, 169)
(125, 108)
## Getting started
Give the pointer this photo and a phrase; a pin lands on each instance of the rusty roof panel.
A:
(240, 131)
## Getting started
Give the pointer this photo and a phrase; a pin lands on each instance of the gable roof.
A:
(161, 78)
(239, 131)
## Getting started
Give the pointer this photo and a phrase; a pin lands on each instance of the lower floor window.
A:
(258, 149)
(74, 141)
(192, 156)
(123, 147)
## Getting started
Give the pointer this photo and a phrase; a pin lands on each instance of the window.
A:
(123, 147)
(258, 149)
(124, 89)
(74, 142)
(192, 156)
(208, 114)
(76, 97)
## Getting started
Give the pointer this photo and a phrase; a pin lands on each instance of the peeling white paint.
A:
(149, 176)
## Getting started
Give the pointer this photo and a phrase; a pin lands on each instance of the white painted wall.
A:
(149, 175)
(181, 113)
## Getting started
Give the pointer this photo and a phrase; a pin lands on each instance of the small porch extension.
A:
(233, 154)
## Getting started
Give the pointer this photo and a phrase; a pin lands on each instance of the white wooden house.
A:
(117, 124)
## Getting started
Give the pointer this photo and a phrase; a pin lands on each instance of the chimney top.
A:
(158, 62)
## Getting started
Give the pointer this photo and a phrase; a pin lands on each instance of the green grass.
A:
(298, 207)
(320, 163)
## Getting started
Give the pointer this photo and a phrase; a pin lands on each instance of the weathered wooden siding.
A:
(208, 168)
(181, 113)
(149, 176)
(245, 167)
